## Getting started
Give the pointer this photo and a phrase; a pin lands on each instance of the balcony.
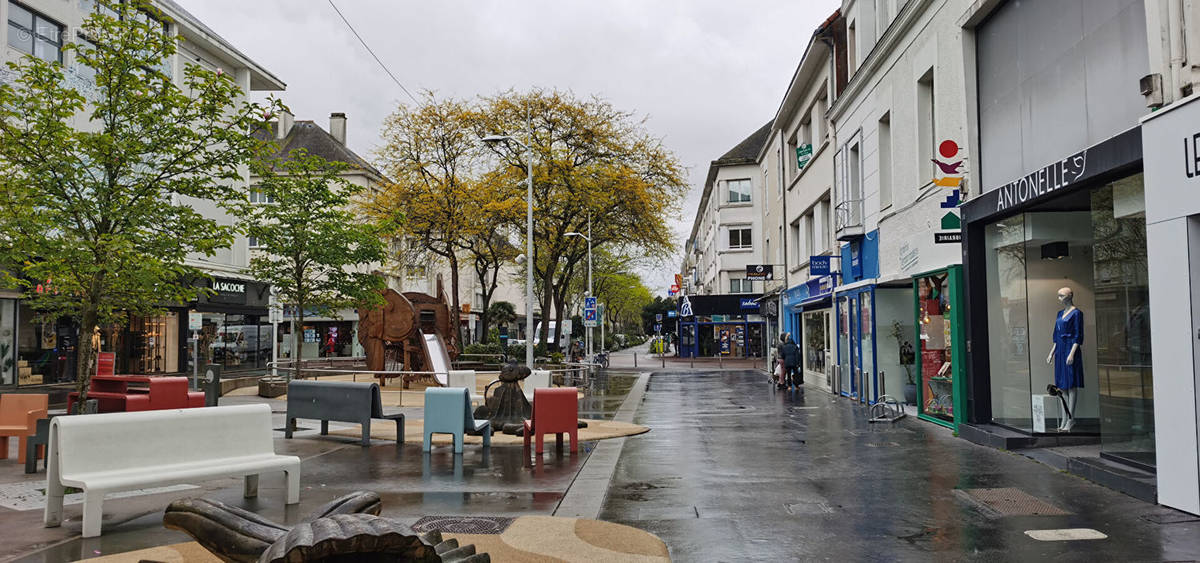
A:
(848, 220)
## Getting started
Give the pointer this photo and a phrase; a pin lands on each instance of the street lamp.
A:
(588, 238)
(492, 139)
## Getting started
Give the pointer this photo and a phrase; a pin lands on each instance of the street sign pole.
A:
(196, 359)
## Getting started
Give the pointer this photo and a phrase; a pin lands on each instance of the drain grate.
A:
(463, 524)
(1009, 501)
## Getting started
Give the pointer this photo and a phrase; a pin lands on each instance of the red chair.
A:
(19, 414)
(555, 411)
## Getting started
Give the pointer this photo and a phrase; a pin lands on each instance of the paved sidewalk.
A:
(734, 470)
(641, 358)
(411, 483)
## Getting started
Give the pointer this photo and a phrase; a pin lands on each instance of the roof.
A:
(261, 78)
(316, 141)
(746, 152)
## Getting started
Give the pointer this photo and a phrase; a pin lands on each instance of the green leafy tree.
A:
(502, 313)
(315, 245)
(99, 179)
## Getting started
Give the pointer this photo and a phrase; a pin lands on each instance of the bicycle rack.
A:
(886, 409)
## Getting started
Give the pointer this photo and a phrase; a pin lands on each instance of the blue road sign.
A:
(672, 314)
(589, 314)
(658, 317)
(589, 302)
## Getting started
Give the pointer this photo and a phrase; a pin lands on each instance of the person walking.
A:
(790, 353)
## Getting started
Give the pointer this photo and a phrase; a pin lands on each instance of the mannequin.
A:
(1064, 354)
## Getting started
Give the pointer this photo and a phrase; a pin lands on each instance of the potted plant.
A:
(907, 359)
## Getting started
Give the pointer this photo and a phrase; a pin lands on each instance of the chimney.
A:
(286, 120)
(337, 126)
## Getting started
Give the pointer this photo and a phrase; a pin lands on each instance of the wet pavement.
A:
(733, 470)
(412, 484)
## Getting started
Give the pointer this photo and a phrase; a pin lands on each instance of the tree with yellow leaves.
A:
(591, 162)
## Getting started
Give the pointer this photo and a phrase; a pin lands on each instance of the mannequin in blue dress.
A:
(1064, 354)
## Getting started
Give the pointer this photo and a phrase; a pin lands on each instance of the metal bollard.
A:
(635, 359)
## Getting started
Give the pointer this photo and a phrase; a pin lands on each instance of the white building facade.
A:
(44, 351)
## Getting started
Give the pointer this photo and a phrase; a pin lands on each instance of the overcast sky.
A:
(706, 73)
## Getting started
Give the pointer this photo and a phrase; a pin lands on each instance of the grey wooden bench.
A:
(343, 401)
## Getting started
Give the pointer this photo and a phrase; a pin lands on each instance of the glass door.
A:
(866, 322)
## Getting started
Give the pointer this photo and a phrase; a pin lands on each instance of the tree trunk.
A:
(85, 358)
(455, 315)
(297, 341)
(546, 302)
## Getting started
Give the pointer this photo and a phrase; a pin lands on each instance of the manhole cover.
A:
(463, 524)
(1009, 501)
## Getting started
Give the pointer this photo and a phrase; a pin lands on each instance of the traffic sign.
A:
(589, 302)
(658, 317)
(589, 314)
(658, 328)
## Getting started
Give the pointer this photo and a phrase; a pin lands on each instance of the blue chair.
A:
(448, 411)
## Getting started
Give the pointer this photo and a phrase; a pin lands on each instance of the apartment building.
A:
(900, 151)
(799, 158)
(335, 336)
(44, 351)
(724, 241)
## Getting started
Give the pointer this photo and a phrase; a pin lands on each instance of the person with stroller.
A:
(789, 352)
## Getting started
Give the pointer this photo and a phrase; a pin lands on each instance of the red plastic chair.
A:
(555, 411)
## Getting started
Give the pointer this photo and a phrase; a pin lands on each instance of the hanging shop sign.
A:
(760, 272)
(819, 265)
(803, 155)
(749, 304)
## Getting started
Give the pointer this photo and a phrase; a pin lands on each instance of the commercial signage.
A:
(947, 238)
(674, 289)
(195, 320)
(748, 303)
(803, 155)
(1171, 138)
(760, 272)
(227, 291)
(685, 307)
(1038, 183)
(819, 265)
(672, 314)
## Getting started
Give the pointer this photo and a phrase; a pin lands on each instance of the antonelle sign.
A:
(1038, 183)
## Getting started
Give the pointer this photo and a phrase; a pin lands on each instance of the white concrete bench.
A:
(106, 453)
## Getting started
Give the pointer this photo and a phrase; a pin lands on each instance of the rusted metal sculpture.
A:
(346, 529)
(393, 333)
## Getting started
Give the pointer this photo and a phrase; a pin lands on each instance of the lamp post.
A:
(528, 146)
(588, 238)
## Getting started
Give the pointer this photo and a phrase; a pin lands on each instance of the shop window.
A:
(31, 32)
(739, 190)
(1096, 248)
(816, 343)
(8, 341)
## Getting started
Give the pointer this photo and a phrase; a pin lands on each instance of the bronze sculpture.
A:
(345, 529)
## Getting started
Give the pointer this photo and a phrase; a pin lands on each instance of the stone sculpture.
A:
(343, 530)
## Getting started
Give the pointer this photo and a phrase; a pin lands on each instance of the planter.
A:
(271, 387)
(910, 393)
